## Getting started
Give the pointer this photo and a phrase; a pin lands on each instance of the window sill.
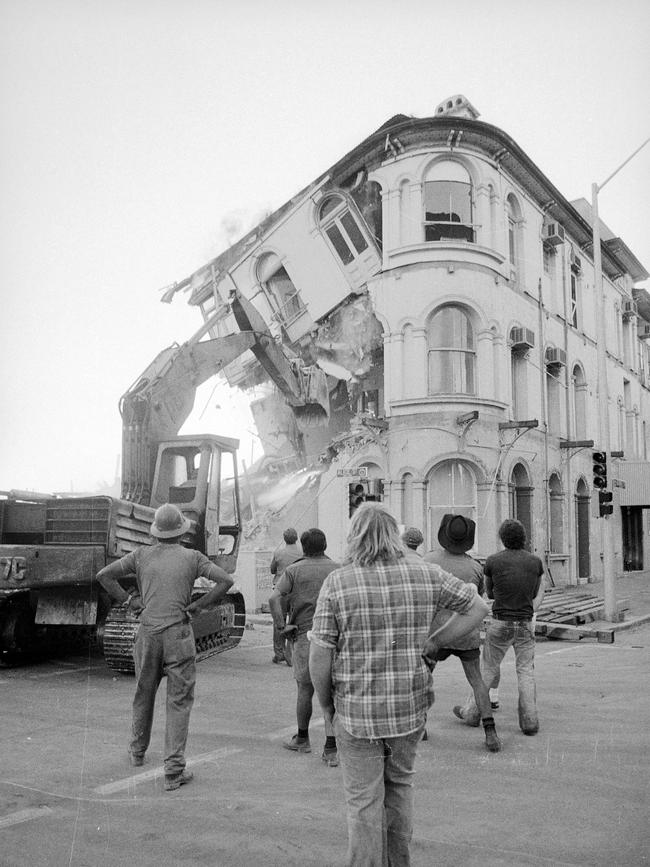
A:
(432, 251)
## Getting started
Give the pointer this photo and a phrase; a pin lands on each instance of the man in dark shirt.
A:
(456, 536)
(298, 591)
(514, 579)
(283, 557)
(165, 575)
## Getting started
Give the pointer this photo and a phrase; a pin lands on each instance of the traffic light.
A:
(605, 506)
(600, 469)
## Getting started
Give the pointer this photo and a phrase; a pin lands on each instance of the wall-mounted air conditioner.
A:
(554, 234)
(555, 357)
(576, 262)
(522, 339)
(629, 309)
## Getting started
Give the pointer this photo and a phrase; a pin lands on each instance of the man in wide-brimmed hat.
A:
(456, 537)
(165, 575)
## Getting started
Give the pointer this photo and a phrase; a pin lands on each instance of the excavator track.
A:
(215, 630)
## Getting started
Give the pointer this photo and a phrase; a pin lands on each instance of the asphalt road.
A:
(576, 794)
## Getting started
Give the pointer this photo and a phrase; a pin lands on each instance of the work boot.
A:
(330, 757)
(492, 740)
(175, 781)
(136, 759)
(298, 745)
(474, 721)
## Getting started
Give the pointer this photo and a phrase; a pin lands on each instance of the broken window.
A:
(342, 229)
(277, 283)
(448, 203)
(451, 350)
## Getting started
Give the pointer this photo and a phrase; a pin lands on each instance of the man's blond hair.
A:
(373, 535)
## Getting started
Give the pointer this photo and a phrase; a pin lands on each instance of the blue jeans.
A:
(499, 636)
(378, 783)
(170, 652)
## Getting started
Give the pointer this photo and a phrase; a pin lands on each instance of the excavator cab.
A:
(199, 475)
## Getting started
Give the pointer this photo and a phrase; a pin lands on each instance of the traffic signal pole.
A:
(606, 522)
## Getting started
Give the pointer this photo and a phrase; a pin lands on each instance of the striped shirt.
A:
(376, 619)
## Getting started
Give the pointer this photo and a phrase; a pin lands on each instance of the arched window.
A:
(556, 513)
(342, 229)
(579, 402)
(279, 287)
(451, 489)
(522, 341)
(520, 493)
(451, 352)
(513, 216)
(407, 499)
(448, 203)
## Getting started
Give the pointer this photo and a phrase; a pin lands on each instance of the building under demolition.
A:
(432, 294)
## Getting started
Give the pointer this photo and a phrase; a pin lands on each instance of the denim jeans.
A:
(378, 784)
(170, 652)
(499, 636)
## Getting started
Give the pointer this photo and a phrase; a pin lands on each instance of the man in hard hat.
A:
(165, 575)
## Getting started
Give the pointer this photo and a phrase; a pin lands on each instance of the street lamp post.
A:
(607, 528)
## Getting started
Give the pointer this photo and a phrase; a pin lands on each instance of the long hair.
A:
(373, 535)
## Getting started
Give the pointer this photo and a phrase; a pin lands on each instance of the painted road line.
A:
(23, 816)
(157, 772)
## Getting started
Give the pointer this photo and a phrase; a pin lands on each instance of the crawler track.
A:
(215, 631)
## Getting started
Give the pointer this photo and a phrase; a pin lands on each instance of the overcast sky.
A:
(139, 136)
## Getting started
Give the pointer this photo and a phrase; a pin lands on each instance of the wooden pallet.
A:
(565, 612)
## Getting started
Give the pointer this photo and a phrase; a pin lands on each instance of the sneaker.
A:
(331, 758)
(494, 705)
(175, 781)
(458, 711)
(277, 661)
(492, 740)
(136, 759)
(531, 731)
(298, 745)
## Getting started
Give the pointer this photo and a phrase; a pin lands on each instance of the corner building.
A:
(443, 290)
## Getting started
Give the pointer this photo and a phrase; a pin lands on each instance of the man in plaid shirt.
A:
(370, 629)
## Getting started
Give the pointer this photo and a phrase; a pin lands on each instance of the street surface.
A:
(576, 794)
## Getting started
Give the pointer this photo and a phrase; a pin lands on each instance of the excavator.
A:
(52, 547)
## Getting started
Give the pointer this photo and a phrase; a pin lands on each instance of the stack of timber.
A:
(566, 612)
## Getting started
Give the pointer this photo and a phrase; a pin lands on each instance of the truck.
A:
(51, 547)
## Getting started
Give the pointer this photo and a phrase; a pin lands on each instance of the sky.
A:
(139, 138)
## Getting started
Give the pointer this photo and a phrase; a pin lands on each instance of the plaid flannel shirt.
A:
(376, 619)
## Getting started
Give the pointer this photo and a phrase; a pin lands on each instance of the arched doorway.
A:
(520, 494)
(583, 500)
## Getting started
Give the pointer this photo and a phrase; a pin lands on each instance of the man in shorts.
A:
(297, 591)
(456, 537)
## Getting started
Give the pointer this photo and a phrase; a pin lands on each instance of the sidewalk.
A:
(632, 588)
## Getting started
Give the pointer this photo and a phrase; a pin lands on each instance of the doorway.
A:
(632, 538)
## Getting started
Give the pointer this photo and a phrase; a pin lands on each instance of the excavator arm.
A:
(158, 403)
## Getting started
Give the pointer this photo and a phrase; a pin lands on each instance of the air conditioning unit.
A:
(576, 262)
(629, 309)
(522, 338)
(555, 357)
(554, 234)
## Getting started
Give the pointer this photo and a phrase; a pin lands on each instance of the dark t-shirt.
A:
(512, 579)
(165, 574)
(300, 586)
